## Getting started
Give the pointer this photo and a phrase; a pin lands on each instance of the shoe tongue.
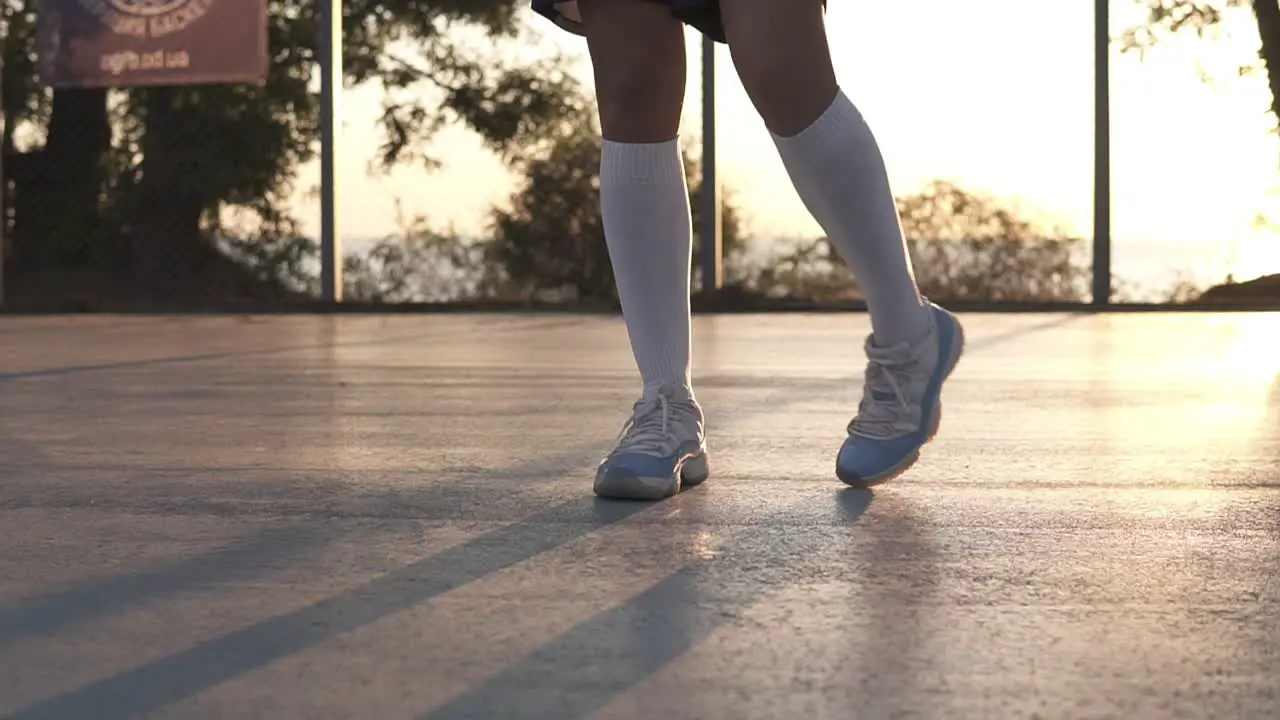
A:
(672, 392)
(899, 352)
(651, 401)
(648, 421)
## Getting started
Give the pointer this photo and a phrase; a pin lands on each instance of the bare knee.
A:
(771, 83)
(637, 55)
(781, 54)
(640, 103)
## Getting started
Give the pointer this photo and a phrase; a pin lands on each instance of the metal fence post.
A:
(1102, 154)
(4, 180)
(709, 231)
(330, 51)
(4, 191)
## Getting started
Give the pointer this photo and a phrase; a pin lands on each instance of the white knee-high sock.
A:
(644, 201)
(836, 167)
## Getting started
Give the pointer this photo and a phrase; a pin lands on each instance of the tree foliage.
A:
(1171, 17)
(964, 247)
(170, 188)
(549, 241)
(970, 247)
(140, 180)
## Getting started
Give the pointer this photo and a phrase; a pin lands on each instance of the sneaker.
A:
(661, 449)
(901, 403)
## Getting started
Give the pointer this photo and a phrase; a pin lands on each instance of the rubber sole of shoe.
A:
(896, 470)
(907, 462)
(692, 471)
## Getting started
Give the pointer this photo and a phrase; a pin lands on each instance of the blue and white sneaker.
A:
(661, 449)
(901, 403)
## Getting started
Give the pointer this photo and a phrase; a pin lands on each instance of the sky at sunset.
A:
(995, 95)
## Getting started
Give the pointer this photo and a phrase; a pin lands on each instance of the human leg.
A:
(781, 53)
(637, 53)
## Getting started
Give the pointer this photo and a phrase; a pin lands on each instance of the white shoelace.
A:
(883, 401)
(648, 429)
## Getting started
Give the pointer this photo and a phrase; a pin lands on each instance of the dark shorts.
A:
(704, 15)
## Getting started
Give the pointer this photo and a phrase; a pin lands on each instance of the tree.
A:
(58, 187)
(1167, 17)
(549, 242)
(421, 265)
(964, 247)
(969, 247)
(184, 155)
(1201, 17)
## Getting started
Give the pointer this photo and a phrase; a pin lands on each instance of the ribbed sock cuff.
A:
(642, 163)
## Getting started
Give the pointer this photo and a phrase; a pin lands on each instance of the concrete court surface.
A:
(391, 517)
